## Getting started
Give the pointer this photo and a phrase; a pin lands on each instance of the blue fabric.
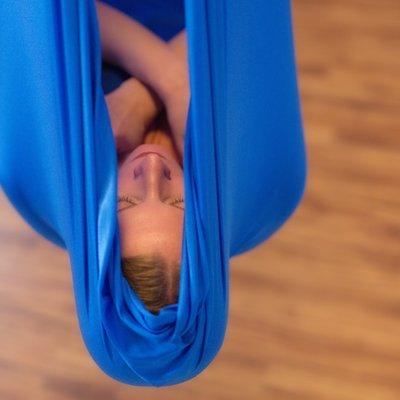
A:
(244, 165)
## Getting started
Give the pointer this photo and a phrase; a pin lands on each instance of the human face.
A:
(150, 206)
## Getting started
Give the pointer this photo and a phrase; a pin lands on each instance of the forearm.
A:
(179, 47)
(135, 92)
(130, 45)
(178, 44)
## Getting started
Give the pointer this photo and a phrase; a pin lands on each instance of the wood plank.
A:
(315, 311)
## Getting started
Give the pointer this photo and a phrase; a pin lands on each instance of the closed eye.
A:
(131, 202)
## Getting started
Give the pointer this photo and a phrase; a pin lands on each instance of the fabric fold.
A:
(244, 165)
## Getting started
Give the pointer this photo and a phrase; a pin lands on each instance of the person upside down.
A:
(148, 114)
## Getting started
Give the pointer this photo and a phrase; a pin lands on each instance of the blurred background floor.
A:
(315, 311)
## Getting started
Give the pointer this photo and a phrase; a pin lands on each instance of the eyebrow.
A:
(133, 205)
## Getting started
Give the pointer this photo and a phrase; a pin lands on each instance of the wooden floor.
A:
(315, 311)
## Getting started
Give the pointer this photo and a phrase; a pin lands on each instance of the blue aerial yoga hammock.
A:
(244, 165)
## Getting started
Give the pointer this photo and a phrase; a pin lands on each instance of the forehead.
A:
(149, 228)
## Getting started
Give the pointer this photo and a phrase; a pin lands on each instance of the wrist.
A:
(141, 98)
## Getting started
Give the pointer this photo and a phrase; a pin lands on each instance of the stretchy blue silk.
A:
(244, 165)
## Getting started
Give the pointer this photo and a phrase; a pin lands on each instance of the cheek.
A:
(177, 183)
(124, 181)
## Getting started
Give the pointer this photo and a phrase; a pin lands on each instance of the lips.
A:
(145, 153)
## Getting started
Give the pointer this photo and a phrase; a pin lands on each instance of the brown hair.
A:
(154, 280)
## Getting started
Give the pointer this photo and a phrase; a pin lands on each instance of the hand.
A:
(132, 107)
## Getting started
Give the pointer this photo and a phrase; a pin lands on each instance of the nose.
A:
(152, 174)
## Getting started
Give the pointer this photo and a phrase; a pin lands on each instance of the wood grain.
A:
(315, 311)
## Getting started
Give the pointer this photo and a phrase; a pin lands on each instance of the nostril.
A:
(137, 171)
(167, 173)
